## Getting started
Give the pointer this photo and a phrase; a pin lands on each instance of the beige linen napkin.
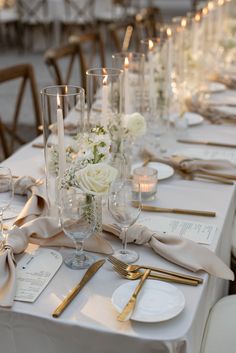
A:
(33, 225)
(180, 251)
(214, 113)
(189, 165)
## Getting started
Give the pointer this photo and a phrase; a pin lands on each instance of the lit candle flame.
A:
(104, 81)
(150, 44)
(58, 101)
(183, 22)
(126, 64)
(205, 11)
(169, 32)
(210, 5)
(197, 17)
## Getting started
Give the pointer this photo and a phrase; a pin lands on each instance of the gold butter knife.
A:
(209, 143)
(129, 307)
(175, 210)
(88, 274)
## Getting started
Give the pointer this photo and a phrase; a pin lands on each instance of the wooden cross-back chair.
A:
(66, 55)
(70, 61)
(25, 73)
(78, 16)
(89, 45)
(34, 14)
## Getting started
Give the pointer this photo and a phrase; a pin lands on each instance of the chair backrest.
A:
(79, 11)
(25, 73)
(89, 45)
(61, 61)
(33, 11)
(81, 50)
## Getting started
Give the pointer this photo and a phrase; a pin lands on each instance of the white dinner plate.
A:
(164, 170)
(192, 118)
(157, 301)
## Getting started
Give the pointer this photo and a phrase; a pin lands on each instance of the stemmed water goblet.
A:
(6, 194)
(124, 204)
(78, 220)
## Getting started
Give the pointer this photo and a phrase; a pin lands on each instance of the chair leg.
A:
(232, 285)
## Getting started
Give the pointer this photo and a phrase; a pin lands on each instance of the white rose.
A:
(95, 178)
(135, 124)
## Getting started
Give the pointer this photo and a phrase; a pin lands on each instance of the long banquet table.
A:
(89, 323)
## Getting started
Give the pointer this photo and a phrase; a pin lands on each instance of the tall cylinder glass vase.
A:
(63, 119)
(103, 96)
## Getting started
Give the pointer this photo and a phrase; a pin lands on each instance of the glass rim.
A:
(156, 40)
(111, 71)
(80, 90)
(139, 172)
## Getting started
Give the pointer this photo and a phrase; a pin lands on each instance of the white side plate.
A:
(157, 301)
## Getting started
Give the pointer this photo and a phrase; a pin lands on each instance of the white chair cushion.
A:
(220, 333)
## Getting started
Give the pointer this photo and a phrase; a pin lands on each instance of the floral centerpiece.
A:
(124, 130)
(87, 158)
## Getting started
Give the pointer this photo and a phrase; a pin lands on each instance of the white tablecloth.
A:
(89, 324)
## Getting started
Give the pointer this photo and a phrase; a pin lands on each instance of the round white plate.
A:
(157, 301)
(164, 170)
(192, 118)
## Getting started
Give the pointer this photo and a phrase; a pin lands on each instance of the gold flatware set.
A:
(150, 208)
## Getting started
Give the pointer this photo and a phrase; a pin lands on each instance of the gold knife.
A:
(175, 210)
(129, 307)
(209, 143)
(88, 274)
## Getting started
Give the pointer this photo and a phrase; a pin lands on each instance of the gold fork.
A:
(160, 276)
(134, 268)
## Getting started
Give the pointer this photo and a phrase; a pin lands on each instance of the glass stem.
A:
(1, 225)
(124, 240)
(79, 248)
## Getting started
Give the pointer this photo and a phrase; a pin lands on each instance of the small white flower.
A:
(135, 124)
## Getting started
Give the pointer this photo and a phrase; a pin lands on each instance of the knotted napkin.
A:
(180, 251)
(35, 226)
(216, 114)
(189, 165)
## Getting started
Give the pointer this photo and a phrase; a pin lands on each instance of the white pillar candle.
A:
(104, 101)
(196, 28)
(127, 92)
(169, 58)
(61, 143)
(152, 88)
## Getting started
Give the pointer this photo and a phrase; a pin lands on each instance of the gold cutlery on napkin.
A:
(133, 268)
(158, 276)
(68, 299)
(129, 307)
(175, 210)
(209, 143)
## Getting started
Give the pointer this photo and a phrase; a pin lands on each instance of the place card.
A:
(207, 153)
(198, 232)
(34, 271)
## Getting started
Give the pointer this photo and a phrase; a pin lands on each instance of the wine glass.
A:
(124, 204)
(6, 194)
(77, 215)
